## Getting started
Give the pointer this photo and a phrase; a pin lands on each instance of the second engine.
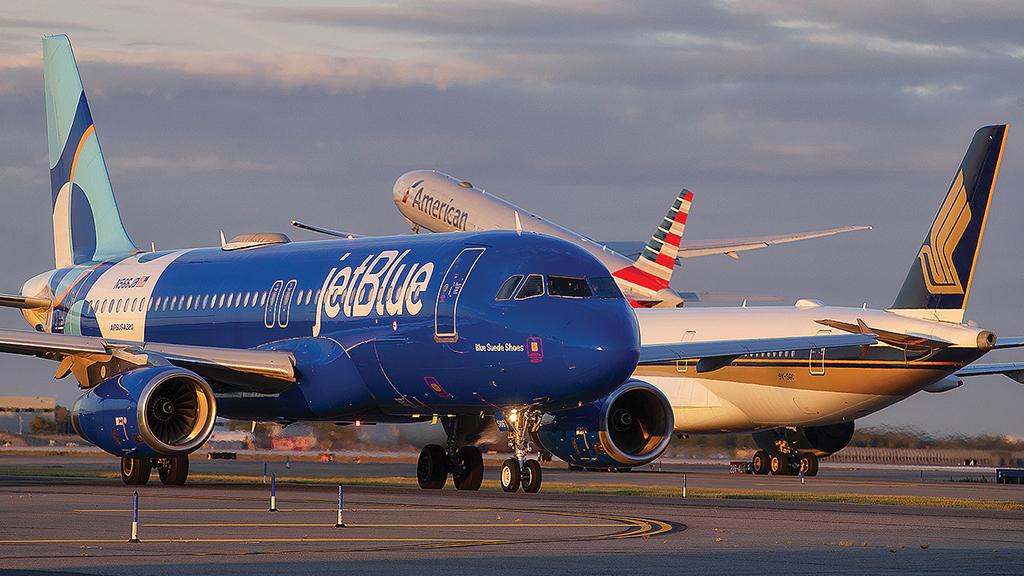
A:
(630, 427)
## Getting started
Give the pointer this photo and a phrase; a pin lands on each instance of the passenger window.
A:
(508, 287)
(532, 287)
(568, 287)
(605, 287)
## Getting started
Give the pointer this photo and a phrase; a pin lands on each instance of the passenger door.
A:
(445, 328)
(817, 359)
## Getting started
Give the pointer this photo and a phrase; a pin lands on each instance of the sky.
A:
(781, 116)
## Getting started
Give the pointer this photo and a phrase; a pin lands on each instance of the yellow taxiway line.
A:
(361, 525)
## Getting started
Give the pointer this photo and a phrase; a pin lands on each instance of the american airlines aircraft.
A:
(438, 202)
(799, 405)
(457, 327)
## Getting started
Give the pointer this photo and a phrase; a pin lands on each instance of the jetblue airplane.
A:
(459, 327)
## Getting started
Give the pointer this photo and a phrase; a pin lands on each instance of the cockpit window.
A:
(508, 287)
(567, 287)
(532, 287)
(605, 287)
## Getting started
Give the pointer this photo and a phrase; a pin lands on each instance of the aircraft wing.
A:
(325, 231)
(714, 354)
(24, 302)
(731, 246)
(226, 369)
(1012, 370)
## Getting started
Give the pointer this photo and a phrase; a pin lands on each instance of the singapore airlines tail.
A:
(86, 222)
(653, 269)
(939, 280)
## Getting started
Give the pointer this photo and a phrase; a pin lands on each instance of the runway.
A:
(78, 524)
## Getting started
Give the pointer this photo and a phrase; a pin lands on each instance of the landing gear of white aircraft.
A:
(519, 471)
(784, 464)
(136, 471)
(465, 464)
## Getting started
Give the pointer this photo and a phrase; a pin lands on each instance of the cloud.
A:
(271, 71)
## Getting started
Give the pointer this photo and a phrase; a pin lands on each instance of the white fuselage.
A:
(794, 388)
(437, 202)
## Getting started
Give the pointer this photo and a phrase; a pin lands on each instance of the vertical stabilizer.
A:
(939, 280)
(658, 258)
(86, 222)
(650, 275)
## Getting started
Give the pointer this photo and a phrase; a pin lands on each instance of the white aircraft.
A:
(799, 405)
(438, 202)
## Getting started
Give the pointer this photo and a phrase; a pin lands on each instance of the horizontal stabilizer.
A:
(1009, 342)
(895, 339)
(1012, 370)
(715, 354)
(23, 302)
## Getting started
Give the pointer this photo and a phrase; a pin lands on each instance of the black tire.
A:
(531, 477)
(759, 463)
(432, 467)
(778, 465)
(469, 469)
(175, 471)
(809, 464)
(510, 475)
(136, 471)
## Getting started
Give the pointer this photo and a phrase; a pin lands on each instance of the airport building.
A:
(18, 412)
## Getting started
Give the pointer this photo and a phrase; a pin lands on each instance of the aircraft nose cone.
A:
(402, 185)
(605, 351)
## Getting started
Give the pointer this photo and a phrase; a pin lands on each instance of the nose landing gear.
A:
(519, 471)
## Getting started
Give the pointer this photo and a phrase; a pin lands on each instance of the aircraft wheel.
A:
(174, 471)
(432, 467)
(510, 475)
(778, 465)
(809, 464)
(759, 463)
(469, 468)
(136, 471)
(531, 477)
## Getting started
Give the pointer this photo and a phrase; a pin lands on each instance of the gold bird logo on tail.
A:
(936, 255)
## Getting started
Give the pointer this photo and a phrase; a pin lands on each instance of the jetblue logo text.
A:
(383, 284)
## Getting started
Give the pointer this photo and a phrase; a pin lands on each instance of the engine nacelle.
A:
(819, 440)
(630, 427)
(147, 412)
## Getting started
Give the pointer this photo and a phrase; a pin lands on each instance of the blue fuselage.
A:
(380, 328)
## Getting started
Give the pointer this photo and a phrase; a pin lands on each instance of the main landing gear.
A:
(173, 471)
(465, 464)
(784, 463)
(519, 472)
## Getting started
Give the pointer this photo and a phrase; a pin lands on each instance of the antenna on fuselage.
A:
(223, 241)
(519, 225)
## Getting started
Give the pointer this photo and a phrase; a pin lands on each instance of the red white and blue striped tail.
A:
(653, 268)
